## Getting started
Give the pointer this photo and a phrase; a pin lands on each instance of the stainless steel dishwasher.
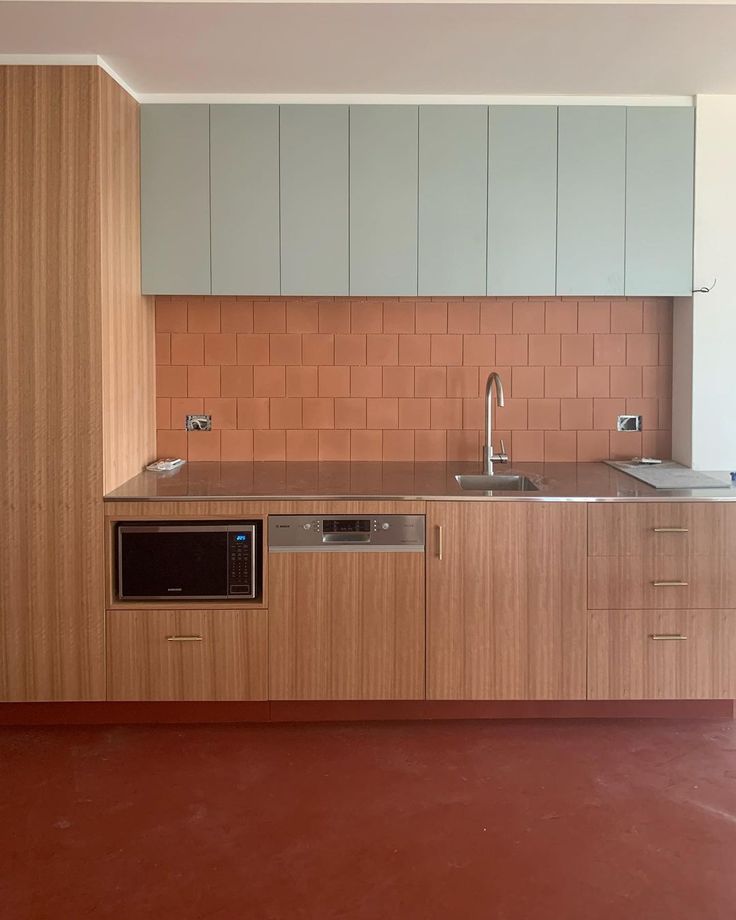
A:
(346, 606)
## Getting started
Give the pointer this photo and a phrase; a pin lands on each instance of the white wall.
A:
(705, 373)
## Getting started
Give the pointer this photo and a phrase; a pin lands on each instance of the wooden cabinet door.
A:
(506, 614)
(659, 200)
(244, 180)
(346, 626)
(187, 654)
(175, 199)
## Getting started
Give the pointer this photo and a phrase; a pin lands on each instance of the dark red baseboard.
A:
(141, 713)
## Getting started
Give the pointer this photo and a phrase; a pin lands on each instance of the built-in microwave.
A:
(212, 560)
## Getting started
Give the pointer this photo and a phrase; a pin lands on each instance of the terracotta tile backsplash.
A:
(372, 379)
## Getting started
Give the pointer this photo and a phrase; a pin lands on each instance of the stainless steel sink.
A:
(497, 482)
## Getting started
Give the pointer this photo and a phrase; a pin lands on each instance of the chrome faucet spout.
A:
(489, 457)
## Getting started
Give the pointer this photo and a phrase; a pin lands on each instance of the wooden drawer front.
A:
(662, 529)
(625, 662)
(187, 655)
(662, 582)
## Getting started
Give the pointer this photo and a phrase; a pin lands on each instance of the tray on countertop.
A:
(667, 475)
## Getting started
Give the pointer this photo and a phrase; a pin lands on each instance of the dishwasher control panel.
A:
(346, 532)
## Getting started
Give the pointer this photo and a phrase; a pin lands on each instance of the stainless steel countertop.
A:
(391, 481)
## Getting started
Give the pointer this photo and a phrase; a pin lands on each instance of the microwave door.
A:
(174, 562)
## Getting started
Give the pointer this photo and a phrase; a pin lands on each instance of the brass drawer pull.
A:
(670, 529)
(669, 584)
(667, 637)
(439, 542)
(184, 638)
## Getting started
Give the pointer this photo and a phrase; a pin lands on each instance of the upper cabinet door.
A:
(453, 197)
(244, 154)
(659, 200)
(522, 199)
(591, 200)
(383, 200)
(314, 199)
(175, 199)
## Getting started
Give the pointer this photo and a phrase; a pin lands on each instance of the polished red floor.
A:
(372, 821)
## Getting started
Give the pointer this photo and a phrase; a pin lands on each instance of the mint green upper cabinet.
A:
(383, 200)
(314, 199)
(244, 158)
(175, 199)
(591, 200)
(659, 200)
(453, 196)
(522, 199)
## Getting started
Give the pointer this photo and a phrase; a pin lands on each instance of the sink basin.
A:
(498, 482)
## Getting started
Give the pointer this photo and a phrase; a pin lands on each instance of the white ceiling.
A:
(367, 48)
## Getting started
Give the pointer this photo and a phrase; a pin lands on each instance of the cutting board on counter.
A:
(667, 475)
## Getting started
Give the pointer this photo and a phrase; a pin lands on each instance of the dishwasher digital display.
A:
(355, 525)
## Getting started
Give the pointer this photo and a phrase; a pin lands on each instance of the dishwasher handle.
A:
(346, 538)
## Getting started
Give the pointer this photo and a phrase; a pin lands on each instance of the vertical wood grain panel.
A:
(51, 472)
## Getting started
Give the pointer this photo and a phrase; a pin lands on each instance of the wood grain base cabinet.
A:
(506, 612)
(346, 626)
(662, 655)
(187, 654)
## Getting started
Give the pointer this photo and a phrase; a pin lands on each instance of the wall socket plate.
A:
(629, 423)
(198, 423)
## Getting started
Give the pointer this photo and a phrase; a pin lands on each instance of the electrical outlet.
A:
(198, 423)
(629, 423)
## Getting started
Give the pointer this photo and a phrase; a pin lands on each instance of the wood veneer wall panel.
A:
(51, 475)
(127, 316)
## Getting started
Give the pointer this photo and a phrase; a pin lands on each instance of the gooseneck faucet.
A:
(489, 457)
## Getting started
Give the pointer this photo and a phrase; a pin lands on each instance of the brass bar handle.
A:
(184, 638)
(667, 637)
(439, 542)
(669, 584)
(670, 529)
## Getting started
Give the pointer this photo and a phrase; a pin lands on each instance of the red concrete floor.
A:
(469, 820)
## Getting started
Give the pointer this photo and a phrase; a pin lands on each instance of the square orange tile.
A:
(463, 316)
(235, 315)
(302, 316)
(665, 349)
(366, 316)
(592, 446)
(254, 412)
(463, 445)
(609, 349)
(649, 411)
(642, 349)
(224, 411)
(657, 444)
(527, 446)
(626, 381)
(527, 381)
(350, 412)
(203, 315)
(496, 316)
(577, 350)
(236, 380)
(318, 412)
(202, 381)
(446, 350)
(171, 315)
(269, 381)
(203, 445)
(252, 348)
(163, 348)
(544, 349)
(318, 348)
(269, 316)
(366, 381)
(398, 445)
(181, 407)
(334, 316)
(561, 381)
(414, 412)
(561, 316)
(560, 446)
(430, 445)
(334, 445)
(366, 445)
(220, 348)
(171, 380)
(445, 413)
(529, 316)
(187, 348)
(576, 414)
(656, 381)
(236, 445)
(382, 349)
(594, 316)
(172, 444)
(398, 381)
(479, 349)
(543, 414)
(163, 413)
(334, 381)
(462, 381)
(414, 349)
(606, 411)
(269, 445)
(431, 316)
(593, 381)
(430, 381)
(512, 349)
(382, 412)
(398, 316)
(350, 349)
(514, 415)
(286, 412)
(302, 445)
(285, 348)
(301, 381)
(626, 315)
(623, 445)
(474, 413)
(657, 315)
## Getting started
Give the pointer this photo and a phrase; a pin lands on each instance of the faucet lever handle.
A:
(503, 448)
